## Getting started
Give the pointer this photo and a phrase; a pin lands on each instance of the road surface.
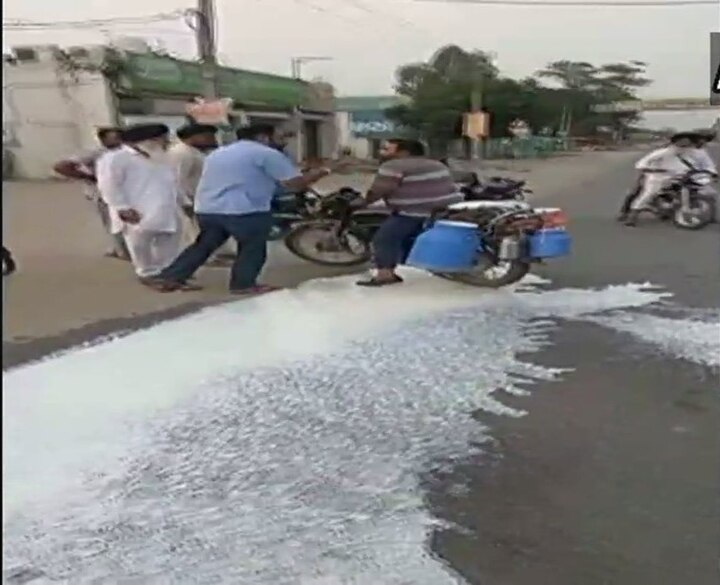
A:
(228, 448)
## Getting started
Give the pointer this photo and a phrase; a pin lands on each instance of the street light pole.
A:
(207, 46)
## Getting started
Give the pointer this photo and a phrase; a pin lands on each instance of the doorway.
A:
(311, 132)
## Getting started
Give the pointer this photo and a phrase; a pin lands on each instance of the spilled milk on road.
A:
(277, 440)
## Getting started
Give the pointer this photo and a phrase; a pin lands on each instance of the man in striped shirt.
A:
(413, 187)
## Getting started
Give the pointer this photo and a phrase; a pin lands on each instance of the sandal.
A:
(254, 290)
(160, 285)
(164, 286)
(375, 282)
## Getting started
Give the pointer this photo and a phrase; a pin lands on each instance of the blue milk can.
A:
(448, 246)
(549, 243)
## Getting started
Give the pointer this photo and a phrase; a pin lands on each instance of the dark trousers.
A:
(631, 196)
(394, 240)
(249, 231)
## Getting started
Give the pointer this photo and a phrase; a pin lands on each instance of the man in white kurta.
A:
(187, 156)
(138, 183)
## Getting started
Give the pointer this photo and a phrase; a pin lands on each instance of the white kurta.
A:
(666, 164)
(187, 163)
(129, 180)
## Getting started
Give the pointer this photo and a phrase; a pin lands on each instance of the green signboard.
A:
(164, 75)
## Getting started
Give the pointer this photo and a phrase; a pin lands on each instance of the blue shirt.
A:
(241, 178)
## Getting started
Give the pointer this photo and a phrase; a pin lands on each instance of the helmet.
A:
(706, 134)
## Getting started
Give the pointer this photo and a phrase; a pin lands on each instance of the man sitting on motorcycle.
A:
(413, 186)
(701, 160)
(661, 165)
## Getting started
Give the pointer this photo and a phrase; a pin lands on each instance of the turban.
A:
(194, 130)
(142, 132)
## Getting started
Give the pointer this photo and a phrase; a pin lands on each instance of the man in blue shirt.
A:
(233, 200)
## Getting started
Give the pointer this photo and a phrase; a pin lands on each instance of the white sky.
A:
(368, 39)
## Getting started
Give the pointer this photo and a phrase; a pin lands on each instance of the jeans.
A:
(394, 240)
(249, 231)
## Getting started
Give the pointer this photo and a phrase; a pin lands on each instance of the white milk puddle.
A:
(690, 339)
(275, 441)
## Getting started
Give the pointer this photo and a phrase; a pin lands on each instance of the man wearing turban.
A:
(187, 156)
(138, 183)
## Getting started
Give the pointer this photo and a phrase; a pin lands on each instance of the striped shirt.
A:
(415, 186)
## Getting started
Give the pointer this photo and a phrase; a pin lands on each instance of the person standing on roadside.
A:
(233, 201)
(138, 183)
(413, 186)
(187, 157)
(83, 168)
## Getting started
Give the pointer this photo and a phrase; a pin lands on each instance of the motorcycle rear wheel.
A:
(482, 275)
(305, 241)
(702, 214)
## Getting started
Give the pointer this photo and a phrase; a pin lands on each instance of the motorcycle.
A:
(336, 230)
(330, 230)
(493, 189)
(689, 201)
(288, 209)
(511, 235)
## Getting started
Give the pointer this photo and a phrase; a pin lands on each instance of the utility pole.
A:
(475, 107)
(476, 103)
(296, 64)
(207, 47)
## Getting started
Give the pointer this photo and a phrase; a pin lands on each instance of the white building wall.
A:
(53, 113)
(346, 139)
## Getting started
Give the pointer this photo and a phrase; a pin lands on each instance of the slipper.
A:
(188, 287)
(375, 282)
(254, 290)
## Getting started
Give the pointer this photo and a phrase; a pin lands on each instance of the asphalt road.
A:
(612, 478)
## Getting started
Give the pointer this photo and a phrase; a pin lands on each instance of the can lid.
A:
(463, 224)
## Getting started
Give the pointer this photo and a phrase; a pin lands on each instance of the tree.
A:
(613, 82)
(440, 93)
(572, 75)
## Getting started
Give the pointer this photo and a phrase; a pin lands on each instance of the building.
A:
(362, 123)
(54, 99)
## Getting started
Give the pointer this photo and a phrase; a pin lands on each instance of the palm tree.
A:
(574, 75)
(452, 63)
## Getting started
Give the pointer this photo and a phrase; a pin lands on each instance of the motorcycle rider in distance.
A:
(702, 160)
(684, 152)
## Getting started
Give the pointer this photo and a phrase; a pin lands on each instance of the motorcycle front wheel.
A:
(489, 275)
(318, 243)
(700, 214)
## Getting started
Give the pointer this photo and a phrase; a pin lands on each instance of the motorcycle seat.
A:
(501, 188)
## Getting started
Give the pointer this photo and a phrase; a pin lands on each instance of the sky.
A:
(368, 39)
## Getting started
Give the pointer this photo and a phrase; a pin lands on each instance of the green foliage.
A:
(440, 93)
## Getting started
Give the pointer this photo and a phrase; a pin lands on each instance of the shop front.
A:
(154, 88)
